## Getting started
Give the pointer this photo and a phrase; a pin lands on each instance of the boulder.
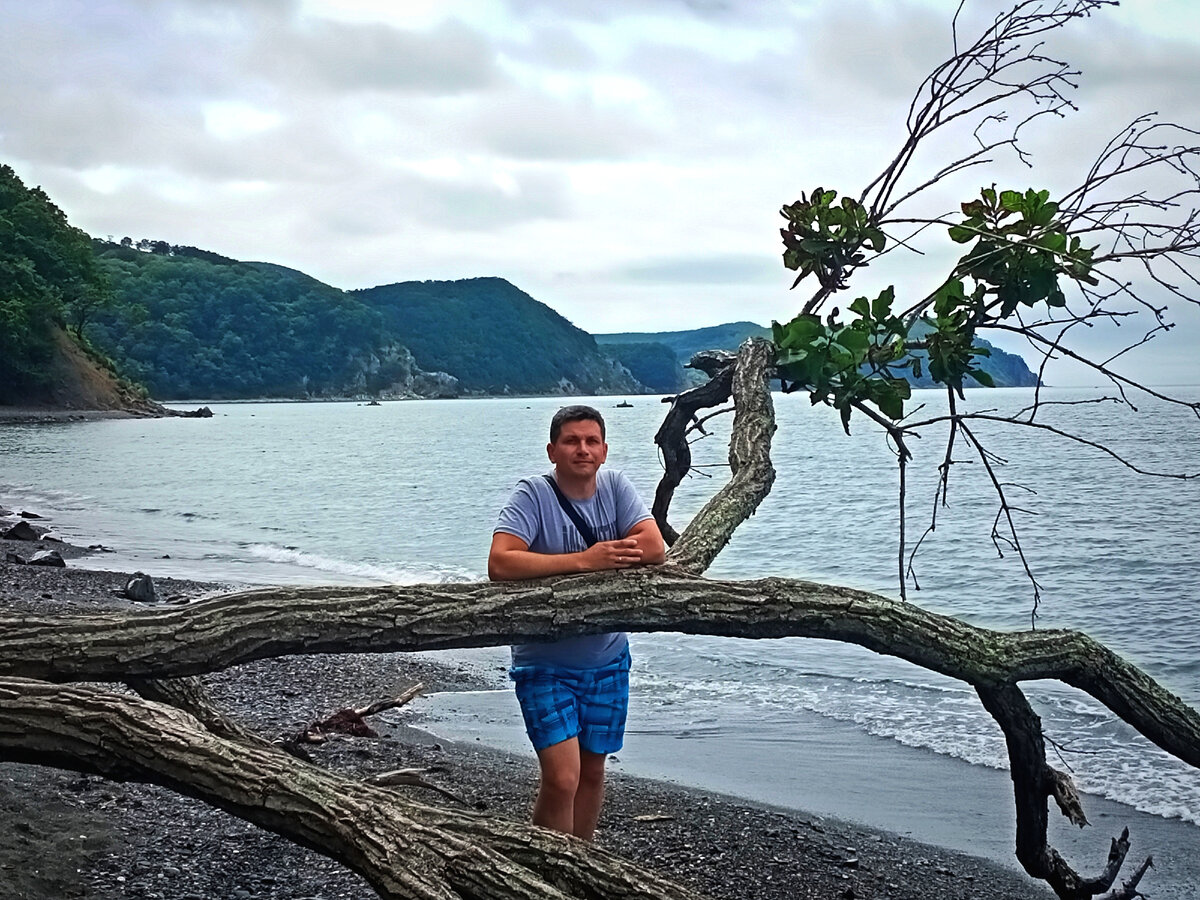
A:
(47, 558)
(15, 558)
(22, 531)
(141, 588)
(25, 514)
(202, 413)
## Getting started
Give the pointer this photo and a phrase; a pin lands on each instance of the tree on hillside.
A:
(1024, 252)
(48, 278)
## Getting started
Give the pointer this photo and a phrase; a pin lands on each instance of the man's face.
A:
(579, 450)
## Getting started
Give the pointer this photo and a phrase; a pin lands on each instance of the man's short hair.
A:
(575, 414)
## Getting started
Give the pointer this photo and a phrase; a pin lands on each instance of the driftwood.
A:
(407, 850)
(352, 720)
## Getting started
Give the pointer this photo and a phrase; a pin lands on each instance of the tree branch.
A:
(404, 849)
(749, 459)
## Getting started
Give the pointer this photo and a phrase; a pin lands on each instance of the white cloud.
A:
(231, 120)
(623, 161)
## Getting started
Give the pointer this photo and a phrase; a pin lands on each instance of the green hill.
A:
(190, 324)
(686, 344)
(495, 338)
(1006, 369)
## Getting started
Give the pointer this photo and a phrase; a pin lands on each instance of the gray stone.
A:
(14, 558)
(22, 531)
(47, 558)
(141, 588)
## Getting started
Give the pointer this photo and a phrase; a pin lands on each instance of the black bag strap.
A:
(585, 530)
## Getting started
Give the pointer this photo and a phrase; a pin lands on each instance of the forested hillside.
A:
(191, 324)
(187, 324)
(495, 338)
(686, 344)
(1006, 369)
(48, 278)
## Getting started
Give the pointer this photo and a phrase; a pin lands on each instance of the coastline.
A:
(83, 836)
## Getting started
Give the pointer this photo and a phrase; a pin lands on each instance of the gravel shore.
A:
(69, 835)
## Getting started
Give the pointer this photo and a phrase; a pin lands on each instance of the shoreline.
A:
(82, 836)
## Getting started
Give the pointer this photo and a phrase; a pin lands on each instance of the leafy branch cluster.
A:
(1033, 266)
(1021, 250)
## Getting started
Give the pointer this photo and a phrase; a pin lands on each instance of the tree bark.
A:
(403, 848)
(260, 624)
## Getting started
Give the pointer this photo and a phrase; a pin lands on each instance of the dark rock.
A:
(141, 588)
(47, 558)
(22, 531)
(25, 514)
(15, 558)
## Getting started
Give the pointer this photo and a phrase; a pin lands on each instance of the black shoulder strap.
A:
(585, 530)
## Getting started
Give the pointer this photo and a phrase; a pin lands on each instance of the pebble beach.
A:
(73, 835)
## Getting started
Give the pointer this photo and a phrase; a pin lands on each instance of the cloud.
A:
(527, 127)
(715, 269)
(338, 56)
(623, 161)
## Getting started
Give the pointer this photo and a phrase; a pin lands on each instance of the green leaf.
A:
(854, 340)
(881, 306)
(1054, 241)
(1011, 201)
(982, 377)
(887, 399)
(961, 234)
(1044, 214)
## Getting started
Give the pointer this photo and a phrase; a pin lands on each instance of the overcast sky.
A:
(623, 162)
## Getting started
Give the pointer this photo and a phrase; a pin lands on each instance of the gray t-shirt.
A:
(534, 515)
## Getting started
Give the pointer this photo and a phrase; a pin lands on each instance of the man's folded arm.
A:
(650, 542)
(510, 558)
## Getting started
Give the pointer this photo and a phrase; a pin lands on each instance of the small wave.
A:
(30, 497)
(358, 571)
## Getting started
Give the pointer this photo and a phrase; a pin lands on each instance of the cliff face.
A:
(391, 373)
(76, 381)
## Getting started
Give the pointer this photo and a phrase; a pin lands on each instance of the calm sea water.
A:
(408, 492)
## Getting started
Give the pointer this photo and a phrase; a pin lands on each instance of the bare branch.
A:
(749, 459)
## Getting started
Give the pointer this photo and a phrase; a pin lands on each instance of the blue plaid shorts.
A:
(560, 703)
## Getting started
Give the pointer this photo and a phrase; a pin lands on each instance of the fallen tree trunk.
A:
(403, 848)
(261, 624)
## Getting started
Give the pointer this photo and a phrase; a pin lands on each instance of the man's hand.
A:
(619, 554)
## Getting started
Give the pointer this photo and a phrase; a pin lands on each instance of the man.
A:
(574, 692)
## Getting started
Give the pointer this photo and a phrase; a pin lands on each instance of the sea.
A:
(347, 493)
